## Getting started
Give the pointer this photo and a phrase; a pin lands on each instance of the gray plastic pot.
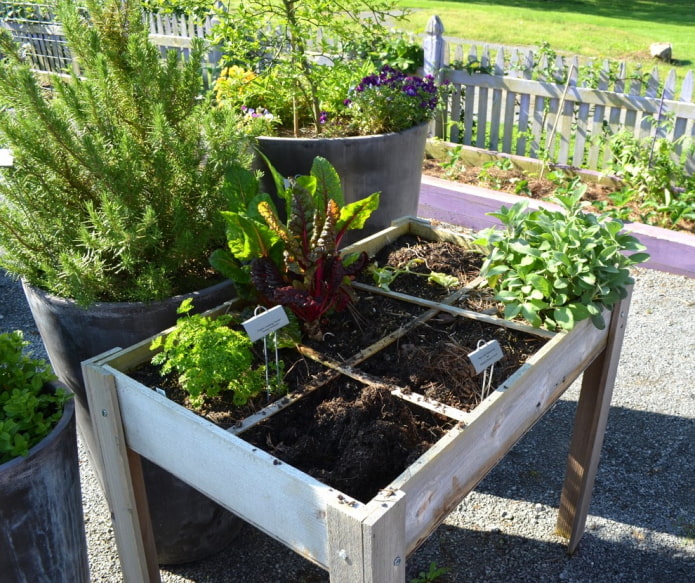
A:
(389, 163)
(42, 534)
(187, 525)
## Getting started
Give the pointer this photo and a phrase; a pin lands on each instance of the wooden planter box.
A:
(354, 541)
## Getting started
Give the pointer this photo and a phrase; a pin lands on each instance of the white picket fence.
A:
(496, 105)
(44, 43)
(499, 104)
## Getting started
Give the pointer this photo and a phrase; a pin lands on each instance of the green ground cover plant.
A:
(28, 410)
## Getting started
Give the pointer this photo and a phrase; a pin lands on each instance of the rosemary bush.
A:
(115, 191)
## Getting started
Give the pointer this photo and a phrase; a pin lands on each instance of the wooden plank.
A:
(383, 538)
(286, 503)
(123, 481)
(589, 429)
(437, 481)
(455, 113)
(481, 127)
(497, 101)
(468, 112)
(345, 544)
(597, 124)
(537, 125)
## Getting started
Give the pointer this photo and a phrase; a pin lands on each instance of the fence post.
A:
(434, 61)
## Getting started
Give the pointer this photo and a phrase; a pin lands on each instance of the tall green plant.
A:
(300, 44)
(115, 191)
(296, 262)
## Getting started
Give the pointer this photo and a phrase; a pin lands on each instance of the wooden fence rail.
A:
(516, 102)
(496, 104)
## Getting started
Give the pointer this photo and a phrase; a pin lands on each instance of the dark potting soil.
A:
(353, 437)
(433, 360)
(357, 438)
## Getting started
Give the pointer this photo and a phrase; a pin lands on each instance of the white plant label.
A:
(265, 323)
(486, 355)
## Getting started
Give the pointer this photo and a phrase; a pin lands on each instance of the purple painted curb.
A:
(466, 205)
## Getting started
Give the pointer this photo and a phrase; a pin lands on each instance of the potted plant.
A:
(41, 521)
(320, 93)
(111, 209)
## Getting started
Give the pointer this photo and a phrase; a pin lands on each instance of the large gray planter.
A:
(389, 163)
(187, 525)
(41, 522)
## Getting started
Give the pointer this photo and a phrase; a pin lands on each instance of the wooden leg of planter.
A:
(589, 429)
(367, 545)
(125, 487)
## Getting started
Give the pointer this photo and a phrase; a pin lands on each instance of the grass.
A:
(619, 30)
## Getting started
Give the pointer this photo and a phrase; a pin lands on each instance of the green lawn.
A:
(597, 29)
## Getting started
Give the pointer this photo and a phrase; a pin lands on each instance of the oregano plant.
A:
(29, 407)
(555, 268)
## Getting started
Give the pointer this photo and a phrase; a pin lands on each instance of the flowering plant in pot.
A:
(317, 91)
(306, 58)
(42, 522)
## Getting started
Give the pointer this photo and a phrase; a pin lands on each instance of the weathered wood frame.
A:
(355, 542)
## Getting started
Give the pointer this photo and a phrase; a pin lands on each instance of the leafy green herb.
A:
(211, 357)
(385, 276)
(555, 268)
(431, 575)
(295, 263)
(29, 407)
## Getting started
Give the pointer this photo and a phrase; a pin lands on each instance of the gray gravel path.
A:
(641, 526)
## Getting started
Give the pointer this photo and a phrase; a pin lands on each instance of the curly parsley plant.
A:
(211, 357)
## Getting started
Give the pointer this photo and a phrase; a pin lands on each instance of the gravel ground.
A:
(641, 525)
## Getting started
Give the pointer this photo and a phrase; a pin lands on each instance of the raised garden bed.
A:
(364, 534)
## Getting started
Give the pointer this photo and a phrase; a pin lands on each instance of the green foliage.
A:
(386, 275)
(116, 186)
(294, 262)
(298, 43)
(199, 8)
(555, 268)
(397, 49)
(211, 357)
(431, 575)
(29, 408)
(655, 178)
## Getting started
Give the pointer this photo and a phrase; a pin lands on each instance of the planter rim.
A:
(66, 302)
(340, 138)
(68, 412)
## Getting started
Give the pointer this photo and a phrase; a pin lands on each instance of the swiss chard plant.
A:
(296, 262)
(211, 357)
(555, 268)
(315, 278)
